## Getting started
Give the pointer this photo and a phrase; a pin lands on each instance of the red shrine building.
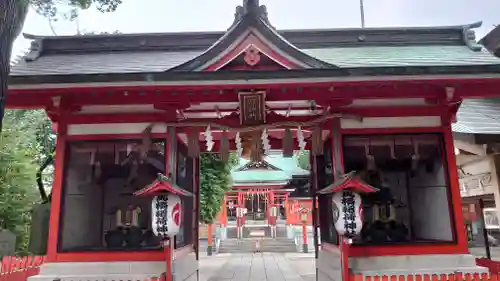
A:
(275, 181)
(374, 106)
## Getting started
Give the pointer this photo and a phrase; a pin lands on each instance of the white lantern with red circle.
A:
(166, 210)
(166, 206)
(347, 213)
(347, 206)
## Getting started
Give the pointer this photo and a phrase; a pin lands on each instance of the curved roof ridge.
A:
(473, 25)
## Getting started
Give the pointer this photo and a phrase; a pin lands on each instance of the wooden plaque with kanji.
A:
(252, 108)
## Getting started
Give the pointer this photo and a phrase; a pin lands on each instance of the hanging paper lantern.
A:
(347, 213)
(166, 213)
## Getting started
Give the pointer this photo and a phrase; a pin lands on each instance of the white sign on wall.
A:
(491, 218)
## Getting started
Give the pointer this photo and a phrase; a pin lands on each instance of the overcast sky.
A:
(135, 16)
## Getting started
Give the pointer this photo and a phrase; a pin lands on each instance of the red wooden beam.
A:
(320, 92)
(234, 122)
(221, 93)
(422, 82)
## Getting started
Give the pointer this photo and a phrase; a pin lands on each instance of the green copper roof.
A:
(379, 56)
(478, 116)
(287, 167)
(260, 176)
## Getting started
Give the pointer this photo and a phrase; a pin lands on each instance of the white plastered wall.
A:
(391, 122)
(366, 123)
(113, 128)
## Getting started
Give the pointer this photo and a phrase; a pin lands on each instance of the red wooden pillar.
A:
(210, 239)
(287, 210)
(55, 205)
(224, 222)
(270, 204)
(196, 198)
(459, 225)
(239, 220)
(344, 251)
(170, 168)
(304, 218)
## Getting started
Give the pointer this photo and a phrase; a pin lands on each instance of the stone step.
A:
(248, 250)
(266, 245)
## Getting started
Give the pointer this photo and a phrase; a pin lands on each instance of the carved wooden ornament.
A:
(252, 56)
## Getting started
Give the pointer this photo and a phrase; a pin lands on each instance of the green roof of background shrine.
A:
(273, 170)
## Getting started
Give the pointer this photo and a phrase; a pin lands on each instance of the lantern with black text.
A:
(347, 213)
(347, 205)
(166, 215)
(166, 206)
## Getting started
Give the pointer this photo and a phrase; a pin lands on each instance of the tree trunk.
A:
(12, 16)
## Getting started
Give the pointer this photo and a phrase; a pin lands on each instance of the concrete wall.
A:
(99, 271)
(415, 264)
(329, 265)
(82, 201)
(430, 204)
(185, 267)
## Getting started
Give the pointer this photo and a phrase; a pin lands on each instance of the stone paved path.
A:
(257, 267)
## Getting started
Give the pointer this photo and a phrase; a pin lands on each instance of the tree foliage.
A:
(302, 159)
(215, 179)
(21, 148)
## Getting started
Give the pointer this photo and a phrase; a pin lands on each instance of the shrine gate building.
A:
(276, 181)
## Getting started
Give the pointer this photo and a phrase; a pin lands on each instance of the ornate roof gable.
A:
(259, 165)
(252, 43)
